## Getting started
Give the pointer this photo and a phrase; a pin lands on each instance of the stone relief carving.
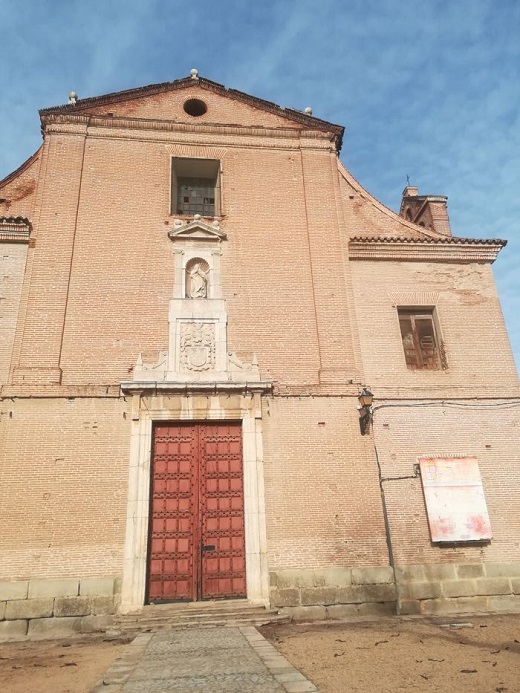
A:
(197, 282)
(235, 364)
(159, 366)
(197, 346)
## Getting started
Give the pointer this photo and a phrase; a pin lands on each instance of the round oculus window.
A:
(195, 107)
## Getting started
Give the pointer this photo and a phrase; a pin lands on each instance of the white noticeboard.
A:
(455, 499)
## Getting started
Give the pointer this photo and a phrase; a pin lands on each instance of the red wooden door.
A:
(197, 545)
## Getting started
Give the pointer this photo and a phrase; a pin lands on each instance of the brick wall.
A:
(478, 353)
(64, 480)
(12, 266)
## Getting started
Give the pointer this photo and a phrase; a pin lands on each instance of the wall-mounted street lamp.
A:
(365, 398)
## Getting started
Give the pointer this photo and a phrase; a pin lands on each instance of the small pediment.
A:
(196, 230)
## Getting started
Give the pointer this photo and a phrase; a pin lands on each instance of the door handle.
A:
(209, 547)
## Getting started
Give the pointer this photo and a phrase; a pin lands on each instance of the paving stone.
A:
(218, 660)
(203, 662)
(292, 676)
(212, 684)
(300, 687)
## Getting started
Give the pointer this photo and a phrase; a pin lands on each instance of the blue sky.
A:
(429, 89)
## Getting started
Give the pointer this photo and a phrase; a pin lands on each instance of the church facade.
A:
(196, 292)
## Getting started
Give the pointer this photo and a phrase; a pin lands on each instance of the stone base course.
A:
(307, 594)
(62, 607)
(423, 589)
(457, 588)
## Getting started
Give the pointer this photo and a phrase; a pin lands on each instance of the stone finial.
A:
(73, 97)
(194, 73)
(308, 110)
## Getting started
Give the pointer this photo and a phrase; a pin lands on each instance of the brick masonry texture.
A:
(91, 292)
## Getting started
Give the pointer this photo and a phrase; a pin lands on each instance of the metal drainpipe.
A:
(387, 524)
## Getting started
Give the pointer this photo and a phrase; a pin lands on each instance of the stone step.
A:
(195, 615)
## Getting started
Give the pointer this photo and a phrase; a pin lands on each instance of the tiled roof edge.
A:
(447, 240)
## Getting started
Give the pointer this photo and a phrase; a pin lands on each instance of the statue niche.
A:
(197, 278)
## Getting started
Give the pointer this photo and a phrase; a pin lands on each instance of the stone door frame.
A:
(199, 402)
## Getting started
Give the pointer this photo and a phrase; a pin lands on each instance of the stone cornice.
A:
(152, 387)
(425, 249)
(114, 127)
(14, 230)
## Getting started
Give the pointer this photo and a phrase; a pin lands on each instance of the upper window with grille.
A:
(195, 187)
(423, 349)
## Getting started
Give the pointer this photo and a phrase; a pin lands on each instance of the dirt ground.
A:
(73, 665)
(383, 656)
(405, 654)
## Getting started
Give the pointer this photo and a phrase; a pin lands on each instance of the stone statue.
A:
(198, 284)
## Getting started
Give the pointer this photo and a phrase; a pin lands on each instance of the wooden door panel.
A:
(197, 544)
(172, 572)
(222, 505)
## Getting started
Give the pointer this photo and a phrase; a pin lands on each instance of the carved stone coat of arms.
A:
(197, 346)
